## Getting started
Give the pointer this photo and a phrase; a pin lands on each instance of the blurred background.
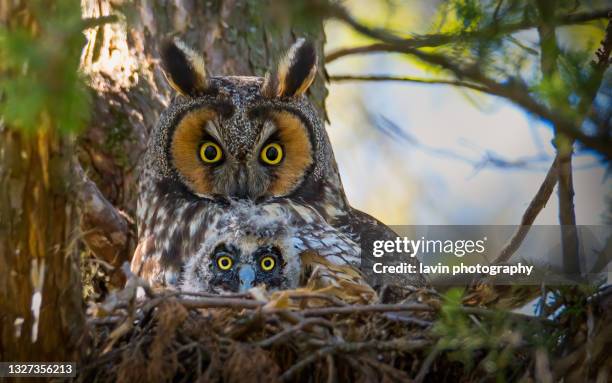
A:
(462, 157)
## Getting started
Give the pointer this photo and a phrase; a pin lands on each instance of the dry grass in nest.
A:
(314, 336)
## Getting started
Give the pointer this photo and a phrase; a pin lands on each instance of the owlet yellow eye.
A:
(210, 152)
(267, 263)
(272, 154)
(225, 263)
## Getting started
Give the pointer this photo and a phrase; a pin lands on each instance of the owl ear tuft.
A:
(183, 67)
(295, 72)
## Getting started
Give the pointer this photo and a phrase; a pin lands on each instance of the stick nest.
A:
(326, 334)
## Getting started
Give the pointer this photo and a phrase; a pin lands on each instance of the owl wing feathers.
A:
(145, 264)
(327, 242)
(368, 229)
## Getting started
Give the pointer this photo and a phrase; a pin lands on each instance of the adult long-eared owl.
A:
(234, 138)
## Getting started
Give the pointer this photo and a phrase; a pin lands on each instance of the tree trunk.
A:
(236, 37)
(40, 290)
(41, 308)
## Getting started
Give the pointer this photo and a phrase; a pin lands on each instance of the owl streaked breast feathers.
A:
(239, 178)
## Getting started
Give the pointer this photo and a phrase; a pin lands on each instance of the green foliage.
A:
(492, 37)
(40, 85)
(469, 12)
(565, 87)
(496, 340)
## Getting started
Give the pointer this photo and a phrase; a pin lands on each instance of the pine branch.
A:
(438, 39)
(511, 89)
(516, 92)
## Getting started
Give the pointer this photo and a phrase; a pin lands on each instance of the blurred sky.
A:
(401, 183)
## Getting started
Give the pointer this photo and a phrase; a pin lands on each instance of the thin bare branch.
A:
(487, 158)
(424, 370)
(535, 206)
(205, 302)
(370, 48)
(378, 308)
(283, 335)
(407, 319)
(464, 84)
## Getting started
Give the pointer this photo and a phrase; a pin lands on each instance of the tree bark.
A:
(41, 308)
(41, 312)
(564, 145)
(236, 37)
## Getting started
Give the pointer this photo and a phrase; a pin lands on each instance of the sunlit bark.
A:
(121, 58)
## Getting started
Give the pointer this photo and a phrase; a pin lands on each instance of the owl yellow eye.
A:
(210, 152)
(225, 263)
(267, 263)
(272, 154)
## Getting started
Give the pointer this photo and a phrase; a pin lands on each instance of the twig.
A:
(377, 308)
(332, 372)
(400, 344)
(535, 206)
(431, 357)
(112, 319)
(370, 48)
(166, 293)
(390, 128)
(397, 374)
(407, 319)
(236, 303)
(281, 336)
(407, 79)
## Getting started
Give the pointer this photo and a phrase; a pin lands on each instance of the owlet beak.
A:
(246, 274)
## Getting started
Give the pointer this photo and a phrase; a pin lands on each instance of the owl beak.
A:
(246, 274)
(242, 185)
